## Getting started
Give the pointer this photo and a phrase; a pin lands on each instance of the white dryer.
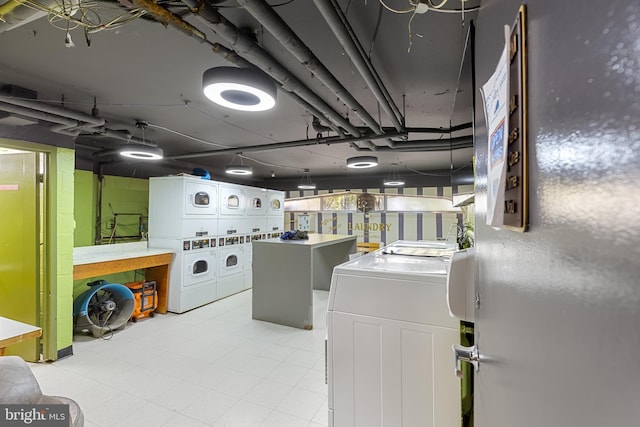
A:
(192, 277)
(389, 357)
(232, 200)
(275, 205)
(182, 206)
(232, 260)
(256, 202)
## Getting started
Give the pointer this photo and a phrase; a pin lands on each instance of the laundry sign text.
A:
(365, 226)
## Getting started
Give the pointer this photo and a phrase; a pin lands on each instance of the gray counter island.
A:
(285, 273)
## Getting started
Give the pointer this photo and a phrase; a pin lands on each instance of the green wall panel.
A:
(84, 208)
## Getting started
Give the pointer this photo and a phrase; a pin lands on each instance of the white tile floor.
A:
(212, 366)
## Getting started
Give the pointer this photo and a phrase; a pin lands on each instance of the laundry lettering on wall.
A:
(365, 226)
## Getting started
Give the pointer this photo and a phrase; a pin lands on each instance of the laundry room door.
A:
(558, 312)
(19, 266)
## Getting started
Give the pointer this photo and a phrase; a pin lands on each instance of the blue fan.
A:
(103, 308)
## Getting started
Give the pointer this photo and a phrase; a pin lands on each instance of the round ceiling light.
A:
(307, 186)
(243, 89)
(141, 152)
(362, 162)
(393, 182)
(238, 170)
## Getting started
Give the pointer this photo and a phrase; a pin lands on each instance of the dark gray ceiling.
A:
(147, 71)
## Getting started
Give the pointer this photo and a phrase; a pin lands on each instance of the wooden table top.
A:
(12, 331)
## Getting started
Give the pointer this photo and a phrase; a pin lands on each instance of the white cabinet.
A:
(391, 373)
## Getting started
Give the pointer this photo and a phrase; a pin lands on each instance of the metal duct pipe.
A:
(338, 23)
(59, 111)
(429, 145)
(236, 59)
(266, 16)
(251, 51)
(441, 130)
(39, 115)
(287, 144)
(65, 124)
(169, 18)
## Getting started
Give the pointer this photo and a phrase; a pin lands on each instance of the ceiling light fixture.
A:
(244, 89)
(305, 183)
(141, 151)
(362, 162)
(234, 169)
(393, 180)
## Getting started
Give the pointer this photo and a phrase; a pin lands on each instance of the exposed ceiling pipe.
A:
(67, 122)
(287, 144)
(62, 124)
(266, 16)
(255, 54)
(431, 130)
(429, 145)
(59, 111)
(338, 23)
(166, 16)
(236, 59)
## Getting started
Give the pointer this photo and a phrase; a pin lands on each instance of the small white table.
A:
(13, 332)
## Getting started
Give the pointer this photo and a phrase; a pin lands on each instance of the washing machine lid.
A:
(408, 257)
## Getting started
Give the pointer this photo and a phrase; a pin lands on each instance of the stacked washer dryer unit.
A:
(232, 235)
(256, 213)
(183, 213)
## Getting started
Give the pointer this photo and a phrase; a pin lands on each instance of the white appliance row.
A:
(390, 337)
(210, 226)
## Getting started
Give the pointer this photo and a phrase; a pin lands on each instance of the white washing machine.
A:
(182, 206)
(192, 277)
(389, 357)
(232, 200)
(256, 202)
(232, 260)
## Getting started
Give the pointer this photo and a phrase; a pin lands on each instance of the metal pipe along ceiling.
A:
(288, 144)
(266, 16)
(251, 51)
(338, 23)
(236, 59)
(67, 122)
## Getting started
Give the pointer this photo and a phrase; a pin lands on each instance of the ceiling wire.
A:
(215, 144)
(410, 10)
(375, 31)
(413, 9)
(90, 19)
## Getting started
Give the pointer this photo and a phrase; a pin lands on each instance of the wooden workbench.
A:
(96, 261)
(13, 332)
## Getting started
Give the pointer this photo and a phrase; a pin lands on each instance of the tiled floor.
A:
(211, 366)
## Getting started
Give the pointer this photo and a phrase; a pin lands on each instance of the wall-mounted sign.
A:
(516, 206)
(504, 101)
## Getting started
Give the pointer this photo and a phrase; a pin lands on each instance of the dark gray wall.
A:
(559, 317)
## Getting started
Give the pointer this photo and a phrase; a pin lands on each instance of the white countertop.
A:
(104, 253)
(314, 240)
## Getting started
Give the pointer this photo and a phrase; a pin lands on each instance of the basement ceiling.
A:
(126, 66)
